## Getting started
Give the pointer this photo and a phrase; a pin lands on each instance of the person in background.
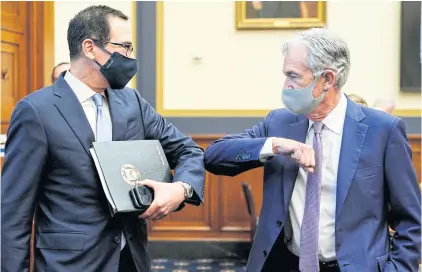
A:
(358, 99)
(334, 171)
(58, 69)
(48, 168)
(385, 104)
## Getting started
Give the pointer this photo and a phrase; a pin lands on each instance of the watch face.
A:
(190, 192)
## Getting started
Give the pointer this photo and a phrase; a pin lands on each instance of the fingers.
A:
(166, 199)
(150, 211)
(305, 157)
(312, 158)
(160, 213)
(155, 212)
(308, 169)
(147, 182)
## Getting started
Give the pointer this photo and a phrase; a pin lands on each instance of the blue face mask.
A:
(301, 101)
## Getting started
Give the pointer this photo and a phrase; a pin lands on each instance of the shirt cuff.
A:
(267, 150)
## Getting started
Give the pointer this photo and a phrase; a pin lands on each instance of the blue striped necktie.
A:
(309, 232)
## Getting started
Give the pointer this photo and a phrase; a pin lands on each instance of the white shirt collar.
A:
(81, 90)
(334, 121)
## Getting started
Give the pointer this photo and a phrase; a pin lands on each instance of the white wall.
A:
(64, 11)
(241, 70)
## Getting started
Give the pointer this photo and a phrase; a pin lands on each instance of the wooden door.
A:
(27, 49)
(14, 44)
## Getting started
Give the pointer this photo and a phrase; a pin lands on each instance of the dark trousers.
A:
(126, 263)
(281, 259)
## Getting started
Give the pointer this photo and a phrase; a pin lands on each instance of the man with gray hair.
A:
(334, 171)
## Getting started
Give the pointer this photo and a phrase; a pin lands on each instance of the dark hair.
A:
(54, 69)
(90, 23)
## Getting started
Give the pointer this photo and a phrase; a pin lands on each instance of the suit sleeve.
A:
(183, 155)
(405, 201)
(25, 155)
(235, 154)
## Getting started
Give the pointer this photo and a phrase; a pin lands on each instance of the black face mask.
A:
(118, 70)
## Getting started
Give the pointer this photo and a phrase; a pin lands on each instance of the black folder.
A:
(120, 164)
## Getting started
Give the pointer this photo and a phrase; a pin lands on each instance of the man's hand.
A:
(167, 198)
(303, 154)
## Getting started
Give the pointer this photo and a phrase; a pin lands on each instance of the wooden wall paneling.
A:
(192, 221)
(14, 16)
(233, 211)
(48, 41)
(13, 74)
(415, 143)
(224, 213)
(41, 50)
(27, 50)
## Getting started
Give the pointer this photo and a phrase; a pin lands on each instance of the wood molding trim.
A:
(48, 49)
(41, 43)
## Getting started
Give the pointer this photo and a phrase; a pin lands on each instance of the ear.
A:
(329, 78)
(88, 48)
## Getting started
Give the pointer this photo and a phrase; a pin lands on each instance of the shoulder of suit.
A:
(282, 115)
(125, 93)
(40, 97)
(378, 117)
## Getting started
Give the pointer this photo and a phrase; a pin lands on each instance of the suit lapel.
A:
(118, 116)
(71, 110)
(354, 134)
(297, 132)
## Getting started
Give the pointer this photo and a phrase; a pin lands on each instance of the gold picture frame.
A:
(280, 14)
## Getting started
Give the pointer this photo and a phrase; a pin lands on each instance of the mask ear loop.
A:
(100, 45)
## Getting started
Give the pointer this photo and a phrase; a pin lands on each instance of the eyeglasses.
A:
(127, 46)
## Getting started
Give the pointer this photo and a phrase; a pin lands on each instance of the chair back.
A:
(250, 204)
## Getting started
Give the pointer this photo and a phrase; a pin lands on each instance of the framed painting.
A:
(280, 14)
(410, 47)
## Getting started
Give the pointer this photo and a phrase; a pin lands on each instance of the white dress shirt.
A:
(331, 144)
(84, 95)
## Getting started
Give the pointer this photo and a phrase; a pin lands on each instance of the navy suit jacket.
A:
(48, 166)
(376, 180)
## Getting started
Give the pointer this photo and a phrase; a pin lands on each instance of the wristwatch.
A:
(188, 189)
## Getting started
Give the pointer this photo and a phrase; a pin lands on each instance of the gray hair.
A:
(325, 51)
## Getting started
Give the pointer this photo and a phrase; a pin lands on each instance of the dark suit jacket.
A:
(375, 179)
(48, 165)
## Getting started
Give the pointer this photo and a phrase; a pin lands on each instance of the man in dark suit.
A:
(48, 168)
(334, 172)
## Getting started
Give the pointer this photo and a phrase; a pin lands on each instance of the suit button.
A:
(264, 253)
(278, 223)
(340, 230)
(117, 239)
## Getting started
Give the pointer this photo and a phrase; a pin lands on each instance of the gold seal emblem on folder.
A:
(130, 174)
